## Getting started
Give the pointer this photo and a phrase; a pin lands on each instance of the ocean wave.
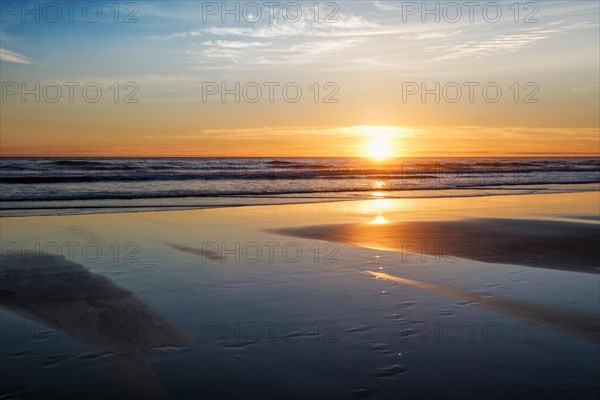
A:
(129, 173)
(260, 192)
(50, 179)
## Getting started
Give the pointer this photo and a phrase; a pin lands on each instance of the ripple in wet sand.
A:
(408, 332)
(447, 313)
(406, 304)
(391, 370)
(359, 329)
(362, 393)
(382, 347)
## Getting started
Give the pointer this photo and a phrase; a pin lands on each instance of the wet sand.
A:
(549, 244)
(567, 320)
(178, 304)
(93, 311)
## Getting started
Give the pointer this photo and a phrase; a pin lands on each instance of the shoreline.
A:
(128, 209)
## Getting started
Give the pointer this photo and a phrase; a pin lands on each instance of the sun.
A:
(380, 147)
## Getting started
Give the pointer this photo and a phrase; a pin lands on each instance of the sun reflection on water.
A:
(379, 220)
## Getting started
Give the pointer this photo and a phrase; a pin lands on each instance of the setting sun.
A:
(380, 147)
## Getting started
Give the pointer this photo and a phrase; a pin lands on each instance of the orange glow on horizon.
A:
(376, 143)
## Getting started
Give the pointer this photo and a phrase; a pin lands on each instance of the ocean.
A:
(58, 186)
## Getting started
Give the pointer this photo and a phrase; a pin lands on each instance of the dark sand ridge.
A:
(550, 244)
(91, 309)
(568, 246)
(210, 255)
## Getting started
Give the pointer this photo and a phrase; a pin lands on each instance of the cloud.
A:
(165, 78)
(284, 132)
(175, 35)
(415, 135)
(500, 44)
(587, 89)
(371, 39)
(325, 47)
(280, 52)
(430, 35)
(235, 45)
(385, 5)
(515, 133)
(278, 43)
(345, 26)
(9, 56)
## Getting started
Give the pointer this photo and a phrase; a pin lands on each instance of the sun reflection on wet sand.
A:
(571, 321)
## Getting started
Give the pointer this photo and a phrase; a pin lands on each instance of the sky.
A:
(344, 78)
